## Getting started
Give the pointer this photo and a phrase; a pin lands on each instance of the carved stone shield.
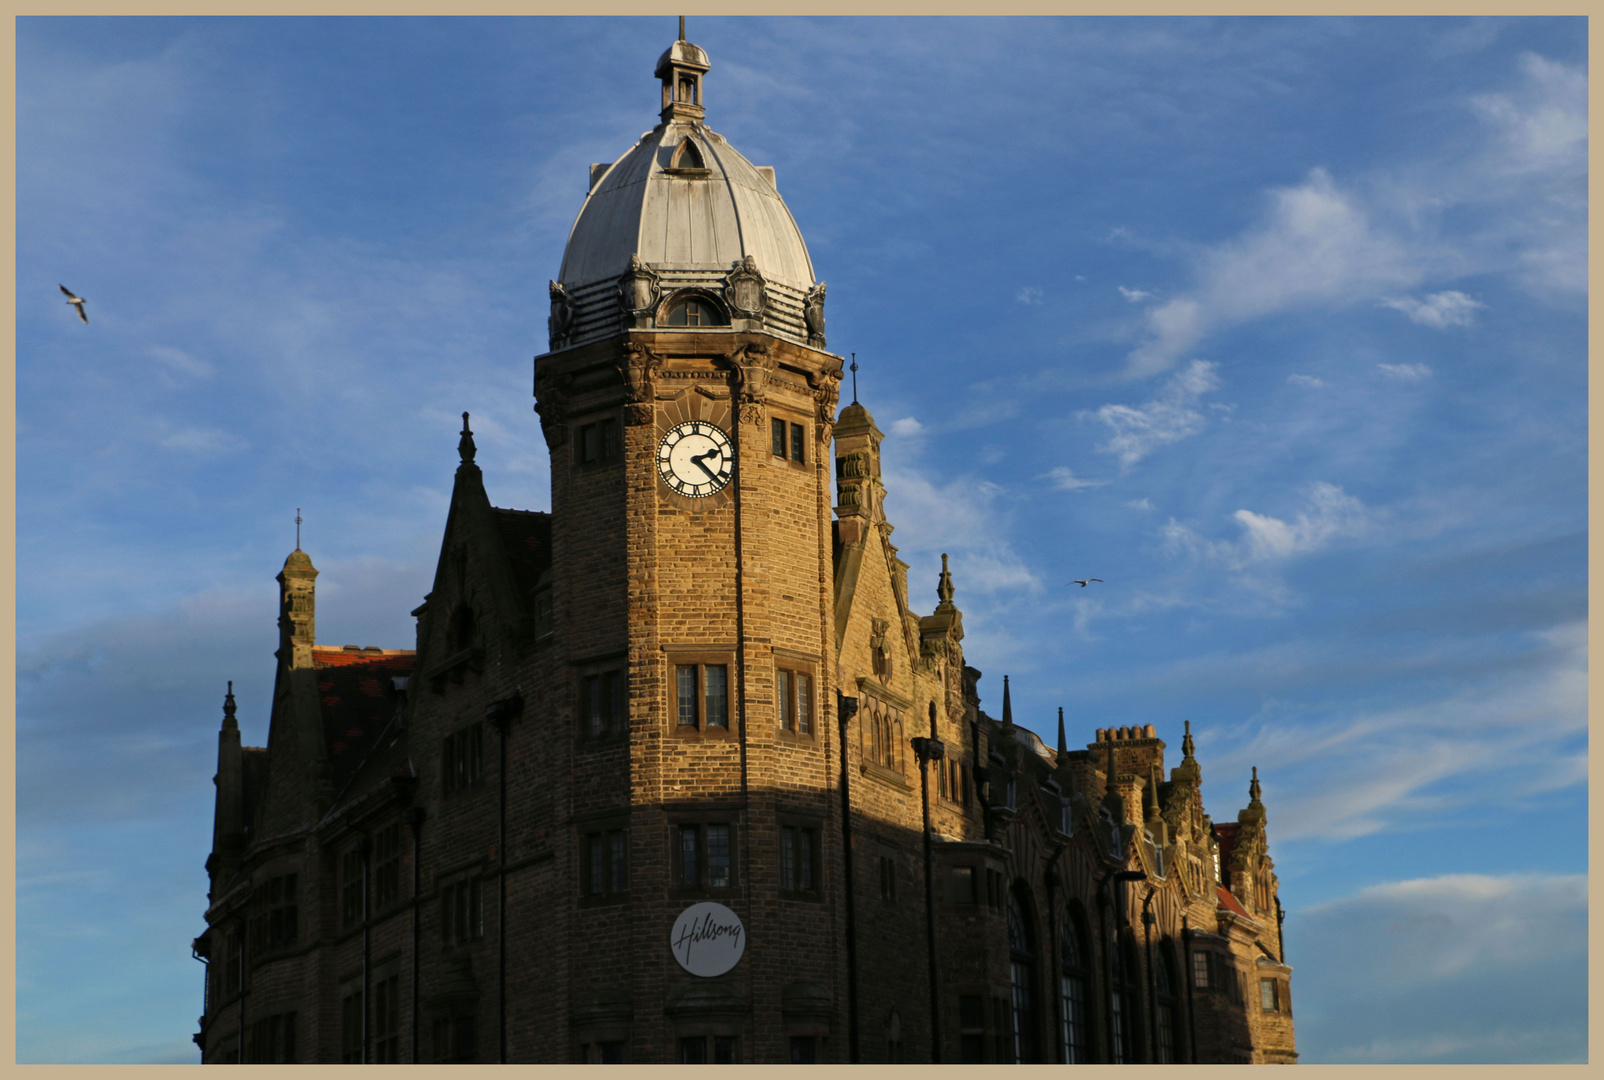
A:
(561, 321)
(638, 289)
(744, 289)
(813, 315)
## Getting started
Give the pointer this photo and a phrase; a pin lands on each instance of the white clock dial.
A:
(695, 458)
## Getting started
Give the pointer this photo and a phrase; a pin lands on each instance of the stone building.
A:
(678, 772)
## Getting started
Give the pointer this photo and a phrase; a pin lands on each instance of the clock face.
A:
(695, 458)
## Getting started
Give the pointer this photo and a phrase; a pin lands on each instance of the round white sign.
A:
(708, 939)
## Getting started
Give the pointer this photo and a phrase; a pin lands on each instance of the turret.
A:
(228, 824)
(857, 473)
(297, 618)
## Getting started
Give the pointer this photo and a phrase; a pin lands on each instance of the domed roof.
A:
(682, 210)
(676, 207)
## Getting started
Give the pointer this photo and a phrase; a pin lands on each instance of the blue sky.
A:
(1278, 326)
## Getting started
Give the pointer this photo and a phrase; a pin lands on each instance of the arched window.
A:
(1124, 1008)
(1022, 978)
(895, 1053)
(1164, 1008)
(1072, 983)
(694, 310)
(688, 156)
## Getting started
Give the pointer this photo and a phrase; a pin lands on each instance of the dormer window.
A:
(694, 311)
(688, 156)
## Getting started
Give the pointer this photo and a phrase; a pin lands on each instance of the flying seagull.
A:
(77, 302)
(1083, 584)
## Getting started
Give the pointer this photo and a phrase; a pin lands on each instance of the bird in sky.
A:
(1082, 583)
(77, 302)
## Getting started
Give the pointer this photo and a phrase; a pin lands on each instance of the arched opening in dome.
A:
(688, 156)
(693, 309)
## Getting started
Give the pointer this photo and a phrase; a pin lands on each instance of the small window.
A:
(797, 442)
(804, 1049)
(597, 443)
(462, 758)
(455, 1039)
(704, 855)
(273, 924)
(387, 873)
(543, 613)
(351, 1028)
(888, 879)
(702, 694)
(694, 1050)
(387, 1020)
(794, 701)
(605, 854)
(799, 855)
(1200, 970)
(971, 1029)
(607, 1052)
(602, 705)
(462, 912)
(272, 1040)
(963, 885)
(994, 889)
(1269, 996)
(694, 311)
(777, 431)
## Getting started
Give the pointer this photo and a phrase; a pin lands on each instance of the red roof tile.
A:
(357, 700)
(1231, 903)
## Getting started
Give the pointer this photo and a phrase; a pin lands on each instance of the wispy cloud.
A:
(906, 427)
(1406, 373)
(1439, 310)
(1329, 513)
(1309, 381)
(1029, 294)
(1134, 296)
(1063, 478)
(1170, 417)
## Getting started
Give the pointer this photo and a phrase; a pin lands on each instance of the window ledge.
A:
(887, 776)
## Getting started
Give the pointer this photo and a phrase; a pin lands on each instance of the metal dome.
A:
(682, 210)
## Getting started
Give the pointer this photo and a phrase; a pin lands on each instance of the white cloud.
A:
(1315, 245)
(1064, 479)
(202, 441)
(1140, 504)
(1306, 380)
(1329, 514)
(1169, 417)
(180, 363)
(1409, 373)
(1543, 123)
(1439, 310)
(1029, 294)
(1401, 972)
(1134, 296)
(906, 426)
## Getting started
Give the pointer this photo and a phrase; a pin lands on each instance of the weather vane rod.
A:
(854, 378)
(682, 28)
(297, 528)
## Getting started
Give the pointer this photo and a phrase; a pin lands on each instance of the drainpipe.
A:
(1055, 954)
(414, 816)
(845, 709)
(1148, 919)
(929, 750)
(1191, 1012)
(365, 846)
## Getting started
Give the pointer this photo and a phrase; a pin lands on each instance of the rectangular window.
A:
(804, 1049)
(543, 613)
(705, 855)
(702, 696)
(994, 889)
(454, 1039)
(273, 920)
(963, 885)
(717, 686)
(888, 879)
(462, 912)
(718, 856)
(351, 1029)
(690, 862)
(610, 1052)
(271, 1040)
(794, 701)
(777, 429)
(799, 849)
(1269, 999)
(462, 758)
(597, 443)
(1200, 970)
(387, 1020)
(602, 704)
(796, 442)
(387, 875)
(693, 1050)
(971, 1029)
(1002, 1034)
(605, 860)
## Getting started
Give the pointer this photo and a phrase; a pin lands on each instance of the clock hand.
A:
(701, 464)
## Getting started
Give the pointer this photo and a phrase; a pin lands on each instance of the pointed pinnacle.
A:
(1063, 746)
(465, 446)
(1008, 705)
(1187, 746)
(1253, 788)
(229, 707)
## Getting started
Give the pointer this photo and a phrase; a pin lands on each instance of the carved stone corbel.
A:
(638, 292)
(752, 364)
(639, 372)
(560, 324)
(551, 402)
(745, 291)
(826, 392)
(813, 315)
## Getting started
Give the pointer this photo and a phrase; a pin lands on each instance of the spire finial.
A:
(1253, 789)
(228, 708)
(1063, 746)
(1187, 746)
(944, 590)
(854, 370)
(1008, 706)
(682, 28)
(465, 446)
(297, 536)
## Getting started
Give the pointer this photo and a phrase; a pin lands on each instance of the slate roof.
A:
(1231, 903)
(357, 700)
(526, 534)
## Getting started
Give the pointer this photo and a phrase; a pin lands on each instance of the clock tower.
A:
(688, 401)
